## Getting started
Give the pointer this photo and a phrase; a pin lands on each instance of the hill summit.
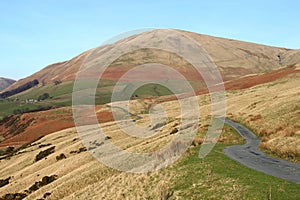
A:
(233, 58)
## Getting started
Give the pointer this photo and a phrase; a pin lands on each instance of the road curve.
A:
(250, 156)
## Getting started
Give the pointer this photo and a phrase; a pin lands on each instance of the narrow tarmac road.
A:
(250, 156)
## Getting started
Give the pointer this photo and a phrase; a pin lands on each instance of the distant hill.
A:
(233, 58)
(5, 82)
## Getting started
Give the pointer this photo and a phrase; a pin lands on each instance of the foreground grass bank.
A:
(218, 177)
(80, 176)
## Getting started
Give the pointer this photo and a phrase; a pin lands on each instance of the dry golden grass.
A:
(274, 115)
(80, 175)
(272, 110)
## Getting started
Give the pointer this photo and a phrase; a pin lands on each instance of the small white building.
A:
(31, 101)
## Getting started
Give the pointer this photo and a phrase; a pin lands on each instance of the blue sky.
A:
(36, 33)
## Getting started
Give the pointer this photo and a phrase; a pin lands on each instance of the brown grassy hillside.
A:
(21, 129)
(273, 115)
(233, 58)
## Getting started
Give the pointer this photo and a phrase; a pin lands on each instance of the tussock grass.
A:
(275, 118)
(81, 176)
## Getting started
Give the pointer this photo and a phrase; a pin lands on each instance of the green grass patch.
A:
(219, 177)
(60, 95)
(152, 90)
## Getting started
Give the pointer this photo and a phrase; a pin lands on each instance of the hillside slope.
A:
(78, 175)
(32, 125)
(233, 58)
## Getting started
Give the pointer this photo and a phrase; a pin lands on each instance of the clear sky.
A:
(36, 33)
